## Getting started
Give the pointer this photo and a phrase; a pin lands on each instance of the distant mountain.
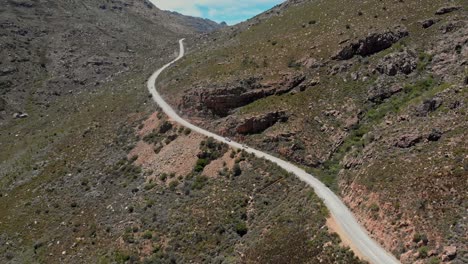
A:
(50, 48)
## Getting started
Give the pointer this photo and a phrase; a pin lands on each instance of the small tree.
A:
(236, 170)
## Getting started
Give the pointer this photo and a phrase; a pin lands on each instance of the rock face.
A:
(402, 62)
(381, 91)
(447, 9)
(259, 124)
(221, 101)
(371, 44)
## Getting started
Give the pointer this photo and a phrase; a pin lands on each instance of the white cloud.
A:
(218, 10)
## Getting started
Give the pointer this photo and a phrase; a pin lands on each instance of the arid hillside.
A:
(370, 96)
(91, 172)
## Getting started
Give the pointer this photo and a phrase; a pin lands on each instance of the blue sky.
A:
(230, 11)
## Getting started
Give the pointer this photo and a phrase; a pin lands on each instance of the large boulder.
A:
(373, 43)
(450, 252)
(428, 23)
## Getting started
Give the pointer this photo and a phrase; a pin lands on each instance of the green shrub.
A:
(420, 237)
(423, 251)
(147, 235)
(149, 186)
(241, 228)
(199, 182)
(166, 126)
(121, 257)
(424, 60)
(236, 170)
(173, 185)
(163, 177)
(374, 207)
(200, 165)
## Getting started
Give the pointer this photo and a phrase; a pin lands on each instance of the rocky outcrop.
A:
(258, 124)
(447, 9)
(450, 52)
(408, 140)
(428, 106)
(450, 252)
(381, 91)
(221, 101)
(311, 63)
(373, 43)
(452, 26)
(403, 62)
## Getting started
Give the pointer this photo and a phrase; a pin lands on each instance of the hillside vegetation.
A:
(370, 96)
(90, 173)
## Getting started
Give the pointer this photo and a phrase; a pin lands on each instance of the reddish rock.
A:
(450, 252)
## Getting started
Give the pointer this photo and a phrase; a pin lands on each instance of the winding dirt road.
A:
(348, 227)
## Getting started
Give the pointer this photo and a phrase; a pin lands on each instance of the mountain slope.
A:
(55, 48)
(74, 69)
(91, 172)
(370, 96)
